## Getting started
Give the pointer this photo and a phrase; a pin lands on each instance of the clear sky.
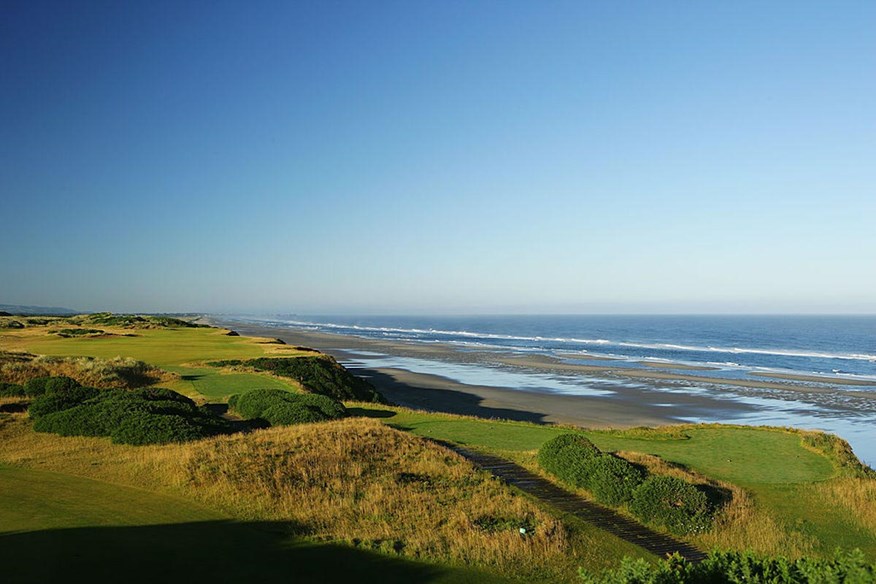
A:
(446, 156)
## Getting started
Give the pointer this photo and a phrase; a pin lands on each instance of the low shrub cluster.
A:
(11, 390)
(577, 461)
(142, 416)
(669, 502)
(673, 503)
(736, 567)
(77, 332)
(282, 408)
(322, 375)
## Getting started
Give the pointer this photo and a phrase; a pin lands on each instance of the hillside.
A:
(373, 487)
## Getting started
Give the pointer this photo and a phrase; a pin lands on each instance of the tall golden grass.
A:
(353, 480)
(856, 494)
(118, 372)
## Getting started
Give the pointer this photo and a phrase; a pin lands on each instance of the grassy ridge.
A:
(790, 497)
(365, 484)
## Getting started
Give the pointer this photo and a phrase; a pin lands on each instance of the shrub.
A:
(286, 413)
(330, 408)
(568, 457)
(143, 416)
(141, 428)
(322, 375)
(80, 332)
(55, 401)
(11, 390)
(232, 401)
(36, 387)
(280, 407)
(672, 503)
(613, 480)
(255, 402)
(850, 567)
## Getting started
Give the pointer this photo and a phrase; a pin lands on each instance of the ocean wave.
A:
(388, 331)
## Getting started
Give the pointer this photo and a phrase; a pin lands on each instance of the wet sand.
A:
(626, 406)
(816, 379)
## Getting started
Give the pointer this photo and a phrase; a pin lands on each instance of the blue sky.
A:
(419, 157)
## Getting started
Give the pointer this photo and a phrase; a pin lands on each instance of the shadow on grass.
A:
(369, 413)
(203, 552)
(192, 376)
(441, 400)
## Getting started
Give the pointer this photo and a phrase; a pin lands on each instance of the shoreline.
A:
(438, 377)
(629, 404)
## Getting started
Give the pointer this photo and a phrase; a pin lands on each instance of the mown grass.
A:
(179, 350)
(35, 500)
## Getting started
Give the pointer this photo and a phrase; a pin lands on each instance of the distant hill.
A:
(47, 310)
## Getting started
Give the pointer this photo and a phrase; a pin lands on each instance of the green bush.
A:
(322, 375)
(280, 407)
(672, 503)
(141, 428)
(287, 413)
(252, 404)
(55, 401)
(11, 390)
(737, 567)
(143, 416)
(41, 385)
(36, 387)
(330, 408)
(613, 480)
(568, 457)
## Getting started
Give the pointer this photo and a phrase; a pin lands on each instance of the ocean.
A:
(840, 350)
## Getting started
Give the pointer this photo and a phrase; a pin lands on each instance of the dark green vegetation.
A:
(78, 332)
(322, 375)
(672, 503)
(667, 502)
(142, 416)
(42, 385)
(741, 567)
(281, 408)
(11, 390)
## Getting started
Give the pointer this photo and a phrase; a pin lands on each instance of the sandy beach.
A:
(639, 397)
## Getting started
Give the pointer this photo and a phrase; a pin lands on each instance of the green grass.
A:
(171, 349)
(745, 456)
(216, 386)
(161, 347)
(54, 525)
(35, 500)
